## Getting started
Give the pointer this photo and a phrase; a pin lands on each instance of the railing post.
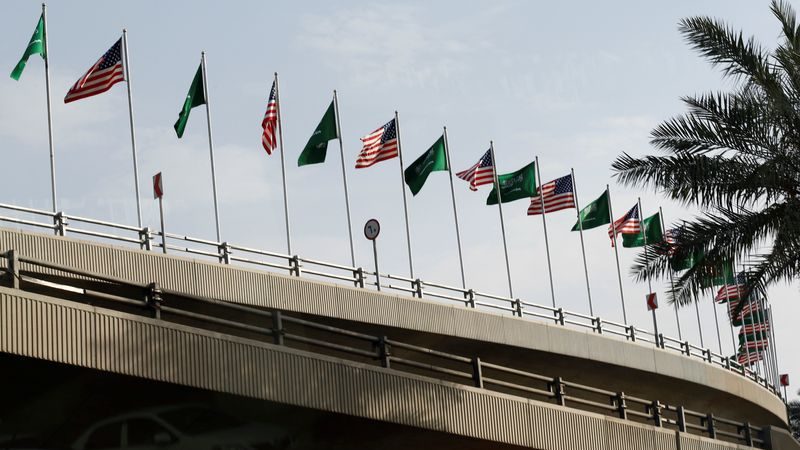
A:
(681, 419)
(655, 411)
(660, 339)
(687, 347)
(632, 333)
(708, 354)
(470, 298)
(384, 352)
(277, 327)
(154, 299)
(224, 253)
(710, 426)
(294, 266)
(598, 324)
(748, 433)
(417, 286)
(560, 316)
(517, 305)
(558, 390)
(358, 276)
(477, 373)
(13, 268)
(145, 239)
(622, 406)
(60, 223)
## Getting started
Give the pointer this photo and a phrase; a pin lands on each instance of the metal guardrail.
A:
(147, 239)
(152, 301)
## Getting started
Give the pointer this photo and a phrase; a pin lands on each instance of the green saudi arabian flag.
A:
(435, 158)
(317, 147)
(594, 214)
(652, 231)
(515, 185)
(35, 47)
(195, 97)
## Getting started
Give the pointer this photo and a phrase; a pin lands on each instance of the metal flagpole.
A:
(671, 279)
(403, 189)
(728, 305)
(133, 133)
(716, 320)
(163, 230)
(546, 241)
(49, 110)
(502, 221)
(699, 325)
(283, 166)
(774, 346)
(616, 255)
(455, 210)
(647, 263)
(344, 179)
(210, 144)
(583, 249)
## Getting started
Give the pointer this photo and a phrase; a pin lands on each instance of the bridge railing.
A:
(145, 238)
(282, 329)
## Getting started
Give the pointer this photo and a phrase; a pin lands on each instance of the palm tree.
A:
(734, 155)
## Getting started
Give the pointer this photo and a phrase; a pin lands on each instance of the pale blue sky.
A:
(575, 83)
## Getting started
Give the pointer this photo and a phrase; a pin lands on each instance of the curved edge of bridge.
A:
(269, 290)
(65, 332)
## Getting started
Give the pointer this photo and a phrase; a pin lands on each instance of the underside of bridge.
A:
(52, 405)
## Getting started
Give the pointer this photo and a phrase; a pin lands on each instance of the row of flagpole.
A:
(495, 176)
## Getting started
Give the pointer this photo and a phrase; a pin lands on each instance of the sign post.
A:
(785, 383)
(158, 192)
(371, 231)
(652, 305)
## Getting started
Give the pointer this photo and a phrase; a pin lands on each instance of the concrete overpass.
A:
(447, 372)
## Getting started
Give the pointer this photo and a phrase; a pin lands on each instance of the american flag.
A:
(731, 291)
(761, 327)
(755, 345)
(106, 72)
(748, 358)
(749, 308)
(557, 194)
(379, 145)
(270, 122)
(627, 224)
(481, 173)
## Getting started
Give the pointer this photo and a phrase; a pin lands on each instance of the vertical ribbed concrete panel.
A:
(690, 442)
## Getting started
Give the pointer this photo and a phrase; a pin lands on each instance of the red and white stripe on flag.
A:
(556, 195)
(728, 292)
(748, 358)
(106, 72)
(627, 224)
(784, 379)
(158, 186)
(379, 145)
(270, 121)
(479, 174)
(652, 301)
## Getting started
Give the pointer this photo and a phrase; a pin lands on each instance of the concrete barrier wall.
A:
(706, 383)
(61, 331)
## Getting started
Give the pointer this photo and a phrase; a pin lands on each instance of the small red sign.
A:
(158, 187)
(784, 379)
(652, 301)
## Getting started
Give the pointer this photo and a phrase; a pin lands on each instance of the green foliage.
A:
(736, 156)
(794, 417)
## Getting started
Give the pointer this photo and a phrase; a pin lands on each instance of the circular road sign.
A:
(371, 229)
